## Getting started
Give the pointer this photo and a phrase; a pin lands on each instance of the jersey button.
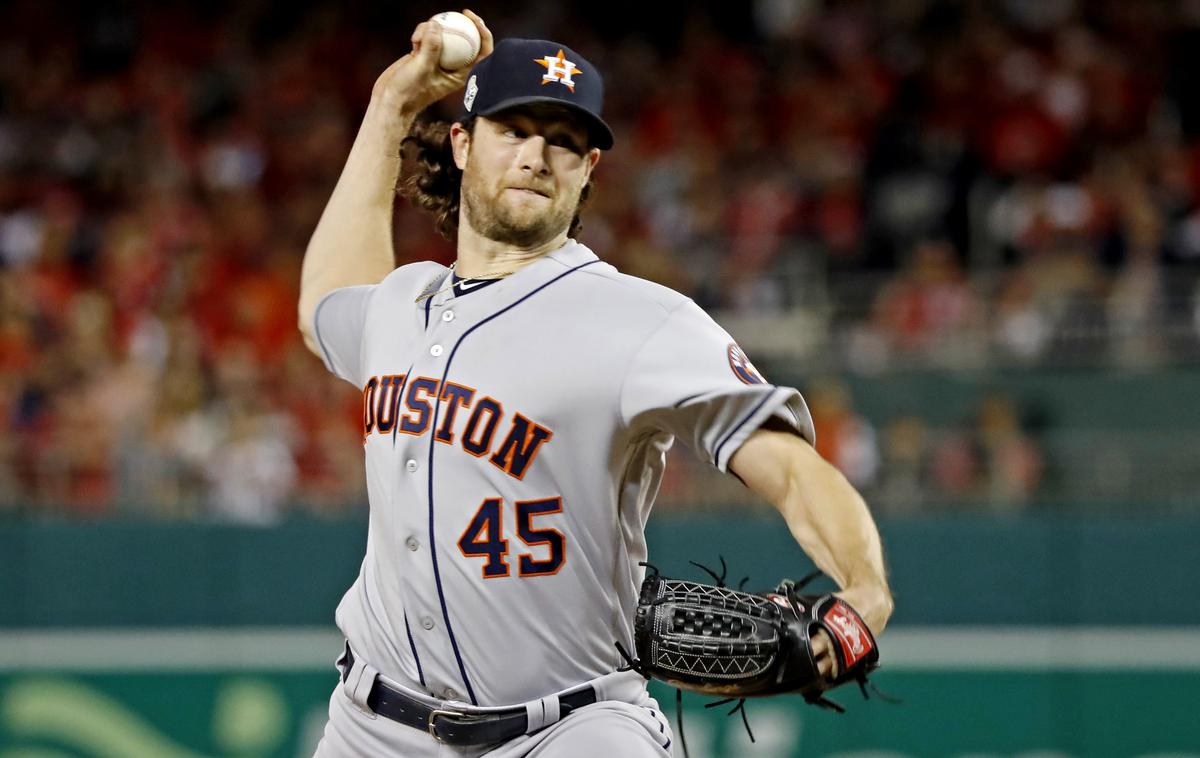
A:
(435, 351)
(412, 544)
(450, 694)
(426, 623)
(411, 466)
(447, 315)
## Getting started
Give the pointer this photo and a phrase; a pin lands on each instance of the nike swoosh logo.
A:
(469, 285)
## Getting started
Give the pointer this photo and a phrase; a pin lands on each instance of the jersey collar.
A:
(571, 254)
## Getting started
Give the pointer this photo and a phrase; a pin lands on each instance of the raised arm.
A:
(825, 514)
(352, 243)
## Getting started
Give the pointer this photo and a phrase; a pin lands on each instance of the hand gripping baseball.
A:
(416, 81)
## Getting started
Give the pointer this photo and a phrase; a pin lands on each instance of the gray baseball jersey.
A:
(515, 438)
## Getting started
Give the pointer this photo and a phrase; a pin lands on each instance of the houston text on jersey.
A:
(394, 404)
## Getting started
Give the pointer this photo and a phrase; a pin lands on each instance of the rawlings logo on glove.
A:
(850, 632)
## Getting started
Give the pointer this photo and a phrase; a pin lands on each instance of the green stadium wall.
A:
(1038, 635)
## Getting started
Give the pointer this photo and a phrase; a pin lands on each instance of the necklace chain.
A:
(464, 280)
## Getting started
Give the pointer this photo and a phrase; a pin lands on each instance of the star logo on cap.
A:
(558, 69)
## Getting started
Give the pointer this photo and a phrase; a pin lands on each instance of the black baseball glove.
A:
(720, 641)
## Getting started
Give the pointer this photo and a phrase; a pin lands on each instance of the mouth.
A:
(530, 191)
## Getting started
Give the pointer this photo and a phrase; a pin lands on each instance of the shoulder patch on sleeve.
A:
(742, 368)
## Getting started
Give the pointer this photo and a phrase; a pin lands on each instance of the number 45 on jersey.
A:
(484, 538)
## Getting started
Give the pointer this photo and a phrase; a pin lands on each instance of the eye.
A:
(515, 132)
(566, 142)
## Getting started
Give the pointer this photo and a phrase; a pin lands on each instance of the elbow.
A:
(310, 341)
(305, 321)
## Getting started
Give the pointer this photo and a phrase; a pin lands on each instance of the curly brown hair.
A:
(433, 181)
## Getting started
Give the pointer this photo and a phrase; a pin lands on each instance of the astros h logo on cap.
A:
(558, 69)
(525, 71)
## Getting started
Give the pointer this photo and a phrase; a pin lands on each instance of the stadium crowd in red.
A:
(942, 182)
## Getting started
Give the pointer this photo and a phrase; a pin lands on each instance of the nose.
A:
(532, 155)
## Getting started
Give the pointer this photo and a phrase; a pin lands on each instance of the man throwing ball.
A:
(517, 409)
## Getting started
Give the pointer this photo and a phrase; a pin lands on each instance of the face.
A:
(523, 172)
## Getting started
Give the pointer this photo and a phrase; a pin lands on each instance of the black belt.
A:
(452, 726)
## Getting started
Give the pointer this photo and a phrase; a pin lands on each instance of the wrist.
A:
(393, 117)
(873, 603)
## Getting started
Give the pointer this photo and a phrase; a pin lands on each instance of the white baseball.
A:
(460, 40)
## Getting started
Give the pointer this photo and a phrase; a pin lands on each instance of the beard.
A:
(493, 216)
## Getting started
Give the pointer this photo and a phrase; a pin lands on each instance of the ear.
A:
(460, 144)
(593, 157)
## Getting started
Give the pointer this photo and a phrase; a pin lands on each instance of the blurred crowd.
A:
(1013, 181)
(990, 459)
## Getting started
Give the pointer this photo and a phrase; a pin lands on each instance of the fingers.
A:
(823, 653)
(486, 43)
(417, 78)
(427, 42)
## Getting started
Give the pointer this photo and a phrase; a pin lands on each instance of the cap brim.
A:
(601, 135)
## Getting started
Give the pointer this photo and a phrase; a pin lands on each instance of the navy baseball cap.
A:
(524, 71)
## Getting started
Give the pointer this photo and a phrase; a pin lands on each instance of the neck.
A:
(480, 257)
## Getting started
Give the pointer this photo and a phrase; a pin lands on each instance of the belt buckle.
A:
(433, 719)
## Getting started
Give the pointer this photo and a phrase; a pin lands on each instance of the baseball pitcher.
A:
(517, 408)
